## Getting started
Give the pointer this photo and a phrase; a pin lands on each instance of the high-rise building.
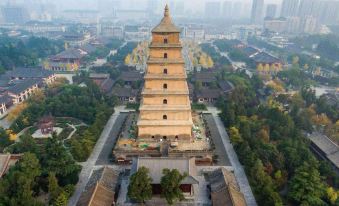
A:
(293, 25)
(327, 12)
(309, 25)
(227, 9)
(237, 10)
(15, 14)
(212, 9)
(308, 8)
(289, 8)
(165, 111)
(257, 11)
(271, 10)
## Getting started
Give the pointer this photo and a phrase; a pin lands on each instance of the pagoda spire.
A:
(166, 13)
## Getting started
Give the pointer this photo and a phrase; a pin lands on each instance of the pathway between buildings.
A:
(89, 165)
(238, 169)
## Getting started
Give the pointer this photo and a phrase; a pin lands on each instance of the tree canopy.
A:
(170, 185)
(139, 188)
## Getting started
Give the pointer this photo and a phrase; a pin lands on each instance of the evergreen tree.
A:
(139, 188)
(53, 187)
(61, 200)
(16, 188)
(306, 187)
(170, 185)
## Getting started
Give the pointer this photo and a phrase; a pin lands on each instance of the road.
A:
(90, 164)
(105, 154)
(215, 135)
(238, 169)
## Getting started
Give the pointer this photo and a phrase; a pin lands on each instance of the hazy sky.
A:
(189, 4)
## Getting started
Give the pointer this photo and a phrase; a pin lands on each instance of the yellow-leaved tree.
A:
(16, 111)
(210, 62)
(128, 59)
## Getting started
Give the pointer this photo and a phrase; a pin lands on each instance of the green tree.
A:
(306, 187)
(57, 159)
(16, 188)
(53, 187)
(235, 136)
(26, 144)
(4, 139)
(140, 188)
(170, 185)
(264, 189)
(61, 200)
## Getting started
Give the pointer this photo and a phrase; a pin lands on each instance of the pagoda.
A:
(165, 110)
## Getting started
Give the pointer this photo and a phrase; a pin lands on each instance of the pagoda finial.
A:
(166, 14)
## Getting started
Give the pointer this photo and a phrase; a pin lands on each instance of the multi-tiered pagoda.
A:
(165, 111)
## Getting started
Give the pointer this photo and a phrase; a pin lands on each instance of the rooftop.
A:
(157, 164)
(263, 57)
(131, 76)
(166, 24)
(204, 77)
(71, 54)
(208, 93)
(124, 92)
(100, 189)
(225, 86)
(249, 51)
(23, 85)
(225, 190)
(29, 73)
(330, 149)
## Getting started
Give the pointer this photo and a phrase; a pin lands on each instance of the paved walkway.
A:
(238, 169)
(89, 165)
(219, 150)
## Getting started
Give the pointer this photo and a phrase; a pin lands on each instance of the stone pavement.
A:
(89, 165)
(238, 169)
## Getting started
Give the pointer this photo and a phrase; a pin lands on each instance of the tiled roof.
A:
(204, 77)
(250, 50)
(166, 24)
(29, 73)
(71, 54)
(23, 85)
(131, 76)
(107, 85)
(330, 149)
(124, 92)
(98, 75)
(88, 48)
(6, 161)
(208, 93)
(225, 86)
(264, 57)
(225, 189)
(100, 189)
(157, 164)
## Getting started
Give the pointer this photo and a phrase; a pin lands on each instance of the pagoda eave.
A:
(162, 76)
(165, 108)
(168, 123)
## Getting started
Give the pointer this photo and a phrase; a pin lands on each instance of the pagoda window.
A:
(165, 41)
(165, 71)
(164, 86)
(165, 55)
(164, 101)
(164, 116)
